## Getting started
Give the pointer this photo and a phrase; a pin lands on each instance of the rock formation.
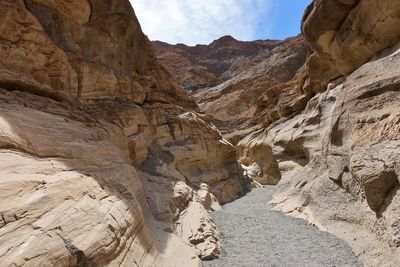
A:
(253, 76)
(324, 122)
(102, 153)
(344, 38)
(349, 134)
(235, 101)
(201, 66)
(107, 161)
(337, 160)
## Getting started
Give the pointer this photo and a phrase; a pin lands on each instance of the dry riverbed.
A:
(253, 235)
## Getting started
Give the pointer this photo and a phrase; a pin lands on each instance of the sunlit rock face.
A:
(347, 34)
(320, 116)
(236, 101)
(102, 153)
(350, 136)
(106, 161)
(337, 159)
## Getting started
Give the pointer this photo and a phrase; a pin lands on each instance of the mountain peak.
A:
(224, 40)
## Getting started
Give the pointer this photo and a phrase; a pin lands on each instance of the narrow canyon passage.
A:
(253, 235)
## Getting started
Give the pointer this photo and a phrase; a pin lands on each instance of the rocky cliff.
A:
(337, 159)
(104, 158)
(348, 136)
(320, 116)
(246, 76)
(238, 102)
(106, 161)
(201, 66)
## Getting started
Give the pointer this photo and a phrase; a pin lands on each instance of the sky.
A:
(202, 21)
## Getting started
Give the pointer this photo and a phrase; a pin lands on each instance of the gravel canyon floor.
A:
(254, 235)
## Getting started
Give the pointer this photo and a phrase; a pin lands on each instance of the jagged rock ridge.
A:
(256, 78)
(201, 66)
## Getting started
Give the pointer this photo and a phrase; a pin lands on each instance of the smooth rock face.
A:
(69, 195)
(96, 139)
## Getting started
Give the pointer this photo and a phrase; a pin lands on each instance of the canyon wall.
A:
(253, 76)
(337, 161)
(202, 66)
(320, 117)
(254, 98)
(105, 160)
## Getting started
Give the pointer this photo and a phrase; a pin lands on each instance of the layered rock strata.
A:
(201, 66)
(102, 153)
(239, 101)
(321, 118)
(346, 34)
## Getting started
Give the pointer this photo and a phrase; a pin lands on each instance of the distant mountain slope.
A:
(208, 65)
(231, 79)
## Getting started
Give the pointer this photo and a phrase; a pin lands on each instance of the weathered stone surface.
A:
(347, 184)
(209, 201)
(351, 180)
(336, 154)
(246, 82)
(346, 34)
(374, 169)
(256, 156)
(69, 196)
(106, 161)
(196, 225)
(95, 136)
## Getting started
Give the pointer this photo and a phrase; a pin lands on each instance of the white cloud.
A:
(200, 21)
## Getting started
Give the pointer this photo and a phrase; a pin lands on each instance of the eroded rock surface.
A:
(105, 160)
(326, 128)
(95, 139)
(346, 34)
(338, 159)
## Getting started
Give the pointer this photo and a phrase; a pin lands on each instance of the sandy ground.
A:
(253, 235)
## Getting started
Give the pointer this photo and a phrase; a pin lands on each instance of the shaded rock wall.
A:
(97, 140)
